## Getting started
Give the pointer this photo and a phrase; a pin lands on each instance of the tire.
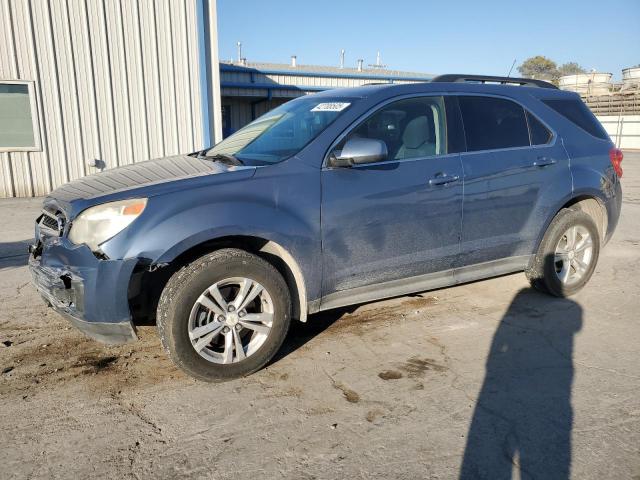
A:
(554, 260)
(188, 304)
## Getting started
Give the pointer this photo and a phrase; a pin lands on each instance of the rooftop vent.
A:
(378, 63)
(294, 61)
(360, 62)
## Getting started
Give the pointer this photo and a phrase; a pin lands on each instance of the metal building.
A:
(251, 89)
(87, 85)
(117, 81)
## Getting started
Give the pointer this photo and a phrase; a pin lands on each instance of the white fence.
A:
(624, 130)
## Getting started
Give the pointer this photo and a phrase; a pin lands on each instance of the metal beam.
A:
(224, 67)
(212, 74)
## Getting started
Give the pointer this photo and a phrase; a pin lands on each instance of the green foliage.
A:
(570, 68)
(544, 68)
(539, 67)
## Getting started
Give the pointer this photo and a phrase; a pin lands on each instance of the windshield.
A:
(282, 132)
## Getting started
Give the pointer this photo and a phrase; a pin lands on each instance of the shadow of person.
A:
(523, 416)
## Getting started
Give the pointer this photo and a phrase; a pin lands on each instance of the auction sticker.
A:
(330, 107)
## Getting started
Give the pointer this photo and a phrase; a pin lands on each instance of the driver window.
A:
(411, 128)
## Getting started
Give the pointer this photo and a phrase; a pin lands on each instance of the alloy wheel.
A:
(230, 320)
(573, 255)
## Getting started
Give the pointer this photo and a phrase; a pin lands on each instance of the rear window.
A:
(540, 135)
(579, 114)
(493, 123)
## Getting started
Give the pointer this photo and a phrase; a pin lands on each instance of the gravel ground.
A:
(482, 379)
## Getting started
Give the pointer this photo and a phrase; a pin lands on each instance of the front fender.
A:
(280, 204)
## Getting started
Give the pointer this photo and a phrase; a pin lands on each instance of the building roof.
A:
(328, 71)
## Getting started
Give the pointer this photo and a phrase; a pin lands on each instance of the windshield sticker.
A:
(330, 107)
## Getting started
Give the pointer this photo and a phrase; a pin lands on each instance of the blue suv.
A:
(332, 199)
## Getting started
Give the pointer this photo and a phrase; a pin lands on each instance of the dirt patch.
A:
(97, 363)
(372, 415)
(70, 357)
(366, 318)
(390, 375)
(420, 301)
(417, 367)
(350, 396)
(319, 410)
(279, 392)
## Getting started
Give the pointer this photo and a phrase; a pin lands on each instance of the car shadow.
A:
(301, 333)
(14, 254)
(523, 415)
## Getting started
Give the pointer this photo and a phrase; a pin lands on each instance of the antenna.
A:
(342, 58)
(512, 65)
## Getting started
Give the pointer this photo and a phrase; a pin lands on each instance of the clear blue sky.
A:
(472, 36)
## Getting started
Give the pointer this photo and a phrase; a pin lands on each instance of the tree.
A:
(539, 67)
(570, 68)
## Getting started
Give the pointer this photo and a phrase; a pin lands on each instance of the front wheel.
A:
(567, 255)
(224, 316)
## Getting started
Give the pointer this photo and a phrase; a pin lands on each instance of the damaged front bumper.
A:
(91, 293)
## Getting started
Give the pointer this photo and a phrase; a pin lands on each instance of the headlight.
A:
(98, 224)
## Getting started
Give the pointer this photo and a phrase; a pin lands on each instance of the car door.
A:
(515, 169)
(396, 218)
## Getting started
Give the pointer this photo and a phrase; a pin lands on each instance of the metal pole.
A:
(214, 77)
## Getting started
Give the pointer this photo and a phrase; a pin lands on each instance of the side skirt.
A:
(421, 283)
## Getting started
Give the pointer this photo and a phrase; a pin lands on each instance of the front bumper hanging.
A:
(89, 292)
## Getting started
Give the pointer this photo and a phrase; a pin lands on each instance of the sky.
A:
(482, 37)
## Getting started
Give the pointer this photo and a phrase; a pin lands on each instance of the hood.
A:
(150, 172)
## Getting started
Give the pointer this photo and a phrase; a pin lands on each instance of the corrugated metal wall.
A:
(240, 109)
(117, 80)
(302, 80)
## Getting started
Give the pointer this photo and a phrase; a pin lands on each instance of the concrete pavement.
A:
(478, 380)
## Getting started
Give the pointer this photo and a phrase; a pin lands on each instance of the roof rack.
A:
(461, 78)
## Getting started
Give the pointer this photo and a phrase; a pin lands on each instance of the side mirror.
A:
(358, 151)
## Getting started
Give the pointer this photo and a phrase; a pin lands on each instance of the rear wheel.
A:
(224, 315)
(567, 255)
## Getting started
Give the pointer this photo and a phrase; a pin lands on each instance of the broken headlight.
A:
(98, 224)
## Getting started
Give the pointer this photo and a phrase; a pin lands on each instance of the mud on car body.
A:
(338, 198)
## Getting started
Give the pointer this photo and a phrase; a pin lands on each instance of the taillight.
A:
(615, 155)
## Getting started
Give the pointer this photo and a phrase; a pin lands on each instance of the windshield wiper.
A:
(226, 158)
(221, 157)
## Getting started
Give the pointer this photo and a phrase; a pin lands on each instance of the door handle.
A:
(543, 162)
(443, 179)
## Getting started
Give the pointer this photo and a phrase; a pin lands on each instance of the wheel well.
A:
(145, 286)
(594, 208)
